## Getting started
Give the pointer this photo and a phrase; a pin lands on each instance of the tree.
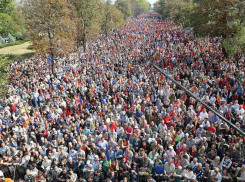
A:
(139, 6)
(4, 61)
(50, 24)
(213, 17)
(10, 18)
(10, 38)
(236, 43)
(2, 41)
(7, 24)
(112, 17)
(88, 22)
(124, 7)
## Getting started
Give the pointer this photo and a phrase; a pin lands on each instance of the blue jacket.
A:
(120, 152)
(159, 170)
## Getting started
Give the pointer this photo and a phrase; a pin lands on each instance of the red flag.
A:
(126, 157)
(115, 97)
(143, 122)
(178, 150)
(107, 127)
(113, 126)
(173, 141)
(194, 130)
(27, 113)
(218, 98)
(162, 77)
(46, 132)
(226, 83)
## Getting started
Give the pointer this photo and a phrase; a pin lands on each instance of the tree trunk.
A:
(84, 42)
(224, 52)
(52, 57)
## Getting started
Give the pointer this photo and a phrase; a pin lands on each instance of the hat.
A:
(88, 162)
(185, 150)
(151, 162)
(160, 163)
(170, 147)
(201, 126)
(222, 140)
(204, 158)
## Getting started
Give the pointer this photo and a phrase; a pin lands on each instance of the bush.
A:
(2, 41)
(19, 36)
(10, 38)
(30, 47)
(18, 42)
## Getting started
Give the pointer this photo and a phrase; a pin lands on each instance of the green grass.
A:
(17, 49)
(18, 42)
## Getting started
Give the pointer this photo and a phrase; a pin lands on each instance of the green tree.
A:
(236, 43)
(139, 6)
(2, 41)
(7, 24)
(143, 3)
(124, 7)
(111, 17)
(4, 61)
(10, 38)
(88, 19)
(51, 26)
(214, 18)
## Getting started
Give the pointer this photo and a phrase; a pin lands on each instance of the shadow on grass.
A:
(13, 57)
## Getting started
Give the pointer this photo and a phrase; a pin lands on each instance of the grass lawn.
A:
(17, 51)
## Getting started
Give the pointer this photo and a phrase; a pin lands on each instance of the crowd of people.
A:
(108, 115)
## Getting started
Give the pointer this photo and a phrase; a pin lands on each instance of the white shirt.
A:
(203, 115)
(103, 144)
(218, 176)
(205, 125)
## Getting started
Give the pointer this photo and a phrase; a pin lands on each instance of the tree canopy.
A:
(208, 18)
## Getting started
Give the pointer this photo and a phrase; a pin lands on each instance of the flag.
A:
(173, 141)
(92, 89)
(218, 98)
(78, 130)
(103, 101)
(162, 77)
(113, 126)
(215, 118)
(115, 98)
(108, 156)
(22, 61)
(81, 102)
(107, 127)
(178, 150)
(194, 129)
(126, 157)
(35, 101)
(226, 83)
(46, 132)
(27, 113)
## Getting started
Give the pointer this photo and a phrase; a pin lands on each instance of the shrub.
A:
(19, 36)
(10, 38)
(2, 41)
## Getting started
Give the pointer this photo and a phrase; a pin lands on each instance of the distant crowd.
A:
(108, 115)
